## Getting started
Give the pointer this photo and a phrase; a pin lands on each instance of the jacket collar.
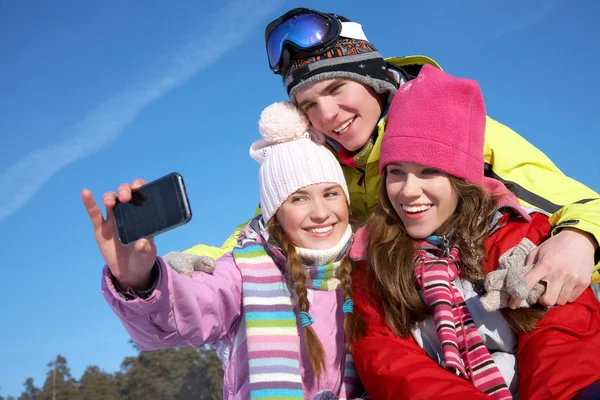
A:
(505, 199)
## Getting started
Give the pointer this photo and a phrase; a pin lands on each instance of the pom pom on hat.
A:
(282, 122)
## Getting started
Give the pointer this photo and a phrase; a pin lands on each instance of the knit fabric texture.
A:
(462, 346)
(291, 157)
(437, 121)
(271, 326)
(351, 58)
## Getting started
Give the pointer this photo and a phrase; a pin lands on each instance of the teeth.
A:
(414, 209)
(343, 128)
(321, 230)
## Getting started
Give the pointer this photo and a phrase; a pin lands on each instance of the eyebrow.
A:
(327, 189)
(323, 91)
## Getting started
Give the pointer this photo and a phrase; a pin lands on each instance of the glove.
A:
(325, 395)
(185, 263)
(508, 280)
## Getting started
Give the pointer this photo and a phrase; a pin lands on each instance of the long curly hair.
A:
(315, 350)
(391, 253)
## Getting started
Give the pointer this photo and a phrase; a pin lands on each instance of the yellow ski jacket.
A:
(532, 176)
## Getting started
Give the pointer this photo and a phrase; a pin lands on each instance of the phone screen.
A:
(154, 208)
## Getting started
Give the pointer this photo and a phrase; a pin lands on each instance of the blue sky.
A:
(93, 94)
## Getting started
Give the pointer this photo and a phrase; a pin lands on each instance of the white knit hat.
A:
(291, 156)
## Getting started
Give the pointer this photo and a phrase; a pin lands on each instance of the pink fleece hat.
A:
(437, 121)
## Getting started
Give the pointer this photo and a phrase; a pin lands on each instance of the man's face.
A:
(345, 110)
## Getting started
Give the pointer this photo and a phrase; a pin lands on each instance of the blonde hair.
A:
(315, 350)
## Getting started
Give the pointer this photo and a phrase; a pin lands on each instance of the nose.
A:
(411, 188)
(328, 110)
(319, 211)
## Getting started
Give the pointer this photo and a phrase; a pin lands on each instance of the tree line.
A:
(169, 374)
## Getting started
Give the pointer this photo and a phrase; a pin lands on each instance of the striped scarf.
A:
(357, 159)
(271, 328)
(323, 277)
(463, 348)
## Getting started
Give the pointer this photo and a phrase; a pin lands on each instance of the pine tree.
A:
(59, 384)
(156, 374)
(31, 392)
(172, 374)
(97, 385)
(168, 374)
(204, 379)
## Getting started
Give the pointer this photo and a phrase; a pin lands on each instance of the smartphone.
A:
(154, 208)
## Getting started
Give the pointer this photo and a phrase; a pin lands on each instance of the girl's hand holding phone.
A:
(130, 265)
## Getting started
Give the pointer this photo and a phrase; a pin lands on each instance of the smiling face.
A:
(315, 217)
(343, 109)
(423, 197)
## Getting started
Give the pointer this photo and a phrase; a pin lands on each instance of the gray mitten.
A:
(185, 263)
(508, 280)
(325, 395)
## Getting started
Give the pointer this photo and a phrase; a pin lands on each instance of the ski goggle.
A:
(304, 31)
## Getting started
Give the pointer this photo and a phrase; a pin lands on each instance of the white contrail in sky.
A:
(485, 22)
(526, 17)
(108, 121)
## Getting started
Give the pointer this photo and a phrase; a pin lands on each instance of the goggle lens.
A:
(304, 31)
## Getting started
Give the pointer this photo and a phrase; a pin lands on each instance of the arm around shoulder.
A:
(227, 246)
(534, 178)
(538, 183)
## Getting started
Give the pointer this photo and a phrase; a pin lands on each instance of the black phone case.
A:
(147, 216)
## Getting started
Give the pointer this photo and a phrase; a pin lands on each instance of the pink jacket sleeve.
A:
(182, 311)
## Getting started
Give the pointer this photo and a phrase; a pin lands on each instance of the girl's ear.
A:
(316, 136)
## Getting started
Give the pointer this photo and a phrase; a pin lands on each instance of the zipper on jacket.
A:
(363, 172)
(569, 222)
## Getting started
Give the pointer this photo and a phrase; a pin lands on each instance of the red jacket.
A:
(555, 361)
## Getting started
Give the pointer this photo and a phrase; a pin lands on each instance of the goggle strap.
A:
(353, 30)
